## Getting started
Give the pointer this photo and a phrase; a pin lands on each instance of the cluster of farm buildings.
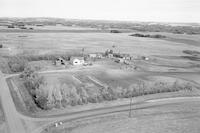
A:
(85, 60)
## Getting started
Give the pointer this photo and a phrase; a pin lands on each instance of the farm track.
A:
(76, 79)
(88, 79)
(96, 81)
(14, 118)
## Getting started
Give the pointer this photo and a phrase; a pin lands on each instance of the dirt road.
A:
(14, 122)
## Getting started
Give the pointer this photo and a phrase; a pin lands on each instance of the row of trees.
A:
(18, 63)
(148, 35)
(50, 96)
(33, 82)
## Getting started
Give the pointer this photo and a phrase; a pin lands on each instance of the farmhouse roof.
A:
(92, 54)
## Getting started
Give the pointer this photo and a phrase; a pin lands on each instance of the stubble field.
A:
(34, 43)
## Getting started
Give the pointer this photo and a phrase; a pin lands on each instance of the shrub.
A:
(57, 95)
(74, 97)
(191, 52)
(41, 101)
(115, 31)
(83, 94)
(106, 93)
(157, 36)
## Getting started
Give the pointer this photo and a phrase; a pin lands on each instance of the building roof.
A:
(92, 54)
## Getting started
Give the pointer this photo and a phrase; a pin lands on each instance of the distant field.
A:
(46, 29)
(34, 43)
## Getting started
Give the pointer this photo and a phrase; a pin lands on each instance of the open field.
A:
(34, 43)
(165, 54)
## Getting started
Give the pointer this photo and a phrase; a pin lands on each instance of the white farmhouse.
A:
(92, 55)
(77, 60)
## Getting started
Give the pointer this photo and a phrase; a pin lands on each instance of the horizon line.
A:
(111, 20)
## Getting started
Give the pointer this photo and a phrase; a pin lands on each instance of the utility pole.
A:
(130, 109)
(83, 50)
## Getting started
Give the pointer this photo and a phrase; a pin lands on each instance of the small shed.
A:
(145, 58)
(110, 56)
(99, 55)
(77, 61)
(119, 60)
(126, 56)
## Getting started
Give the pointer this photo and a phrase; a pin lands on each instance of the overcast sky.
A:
(133, 10)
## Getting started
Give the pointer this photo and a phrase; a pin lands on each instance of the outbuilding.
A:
(59, 61)
(119, 60)
(110, 55)
(126, 56)
(99, 55)
(96, 55)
